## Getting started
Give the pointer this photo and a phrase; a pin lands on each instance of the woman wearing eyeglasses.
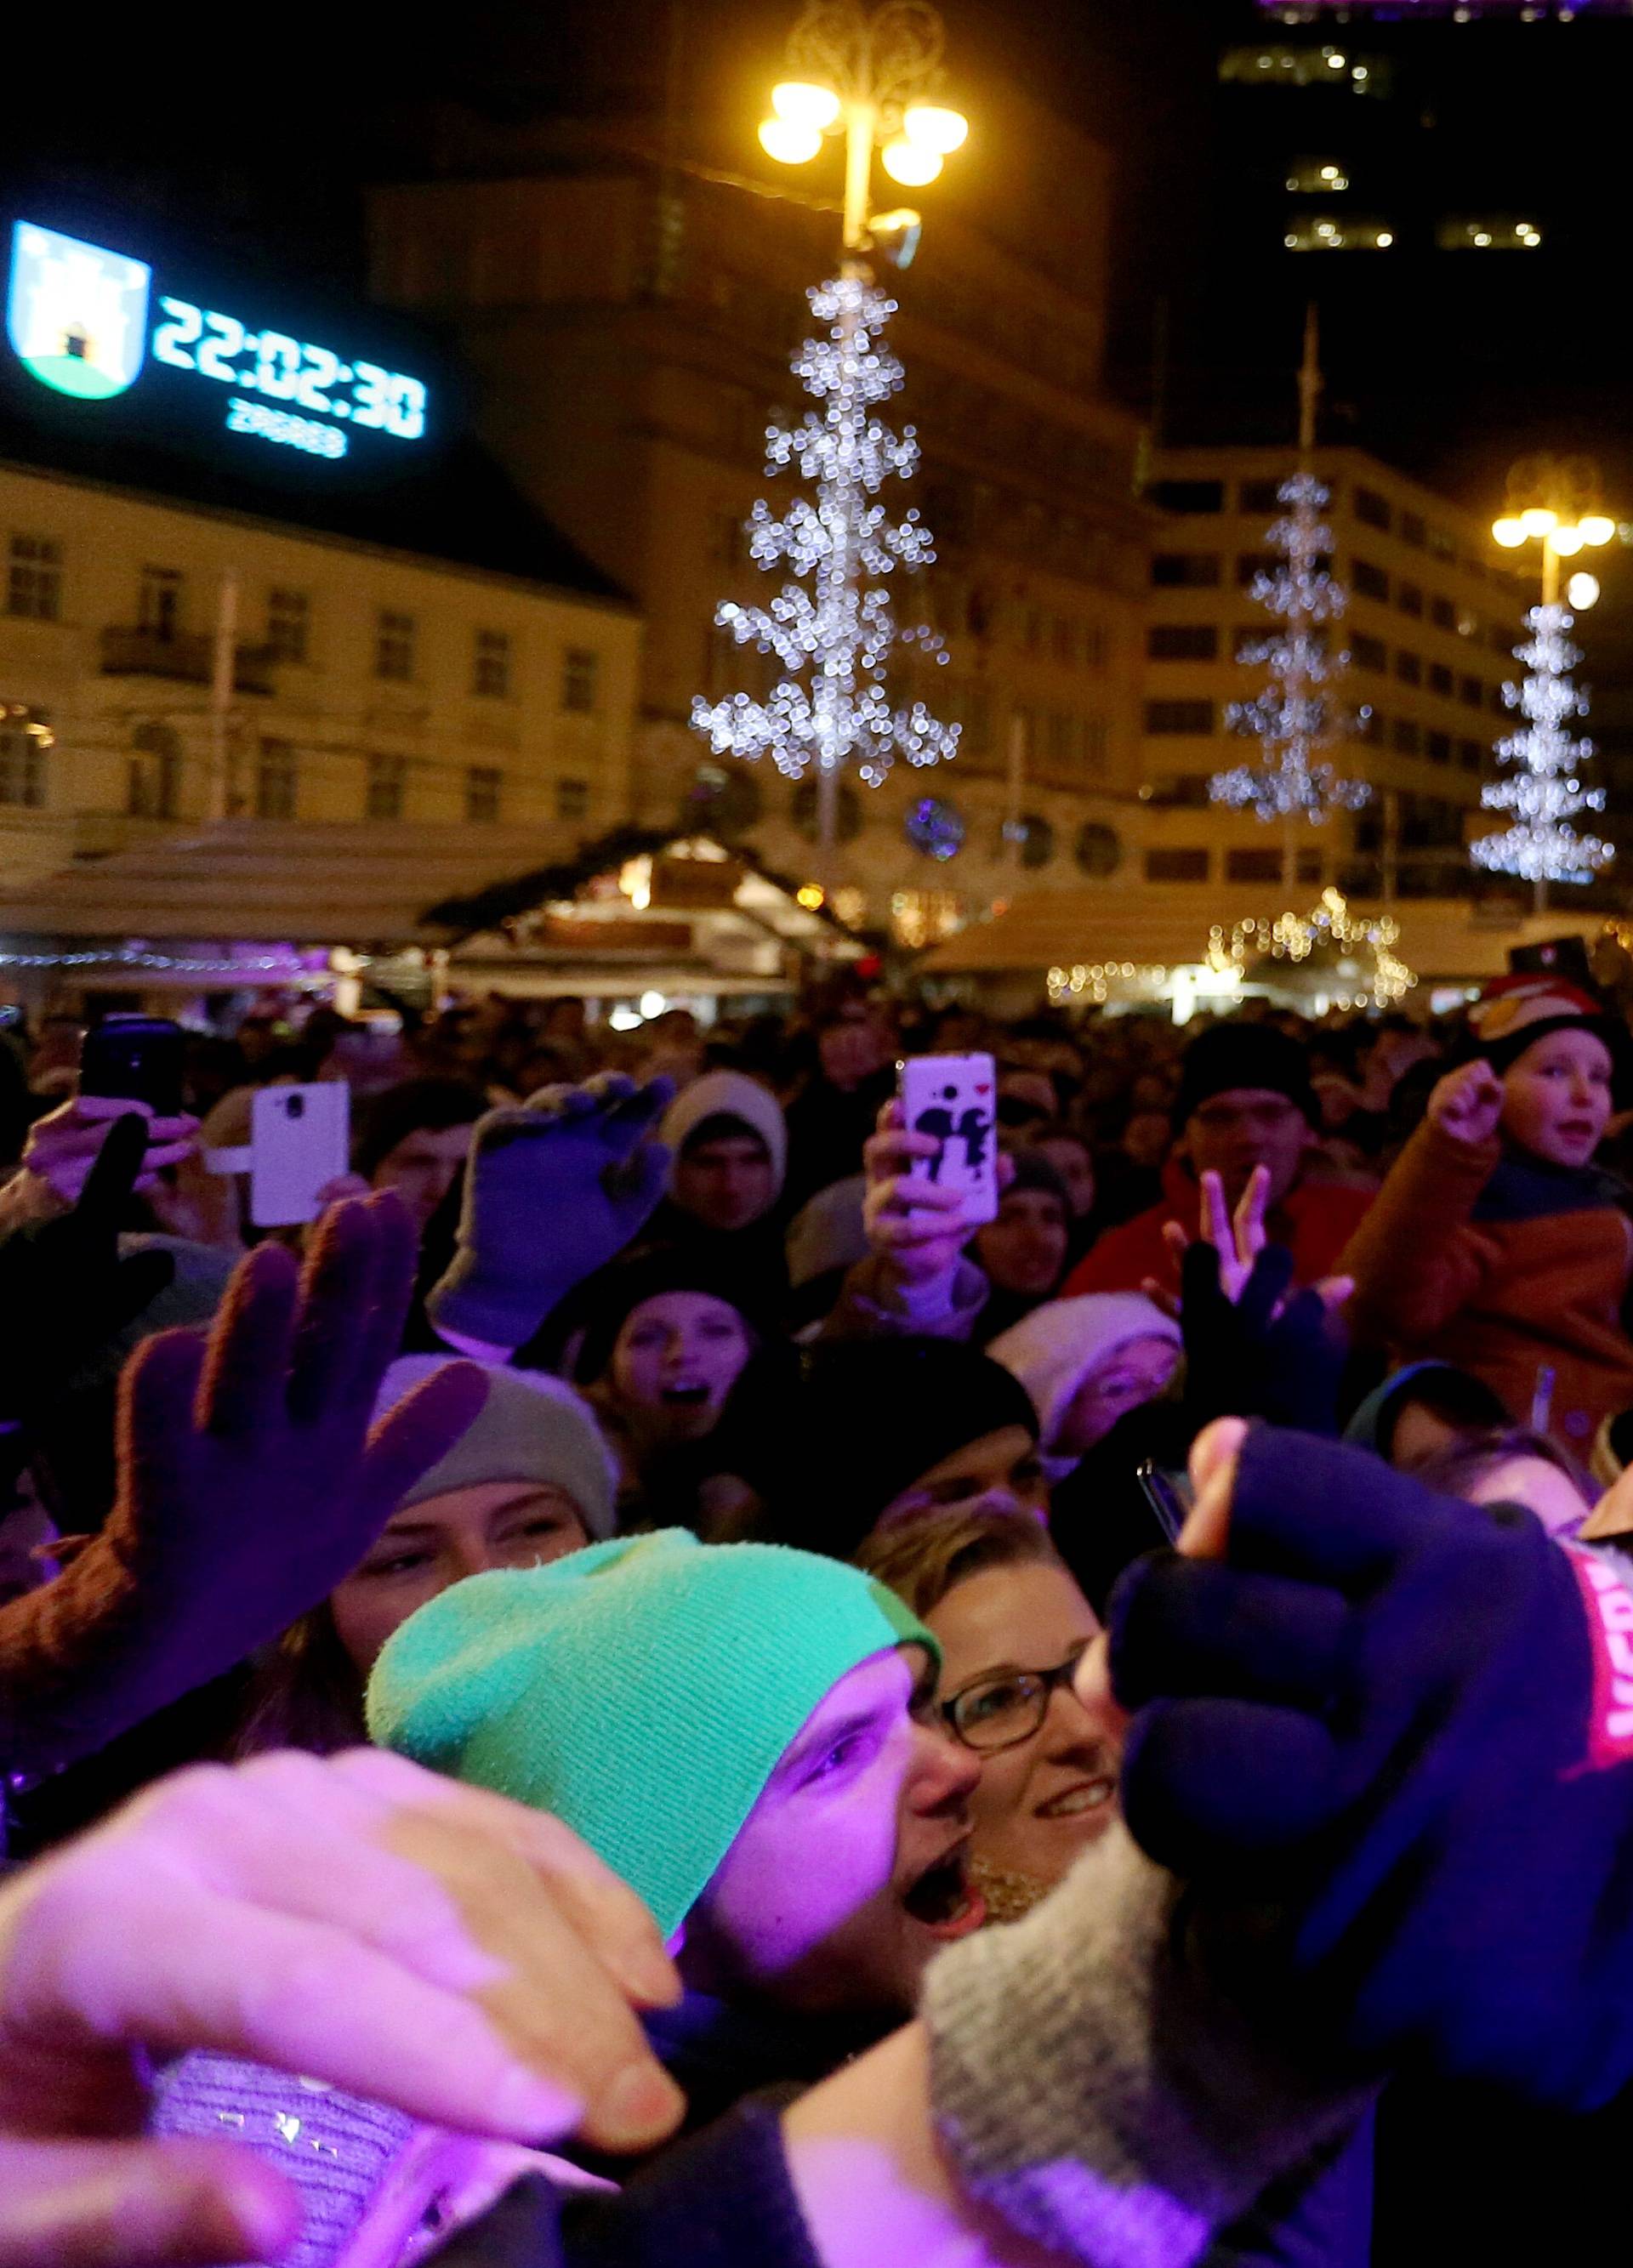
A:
(1012, 1626)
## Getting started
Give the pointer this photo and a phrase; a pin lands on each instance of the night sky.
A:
(1450, 364)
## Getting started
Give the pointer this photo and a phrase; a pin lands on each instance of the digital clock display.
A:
(92, 323)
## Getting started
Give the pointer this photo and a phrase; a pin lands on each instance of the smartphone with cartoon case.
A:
(956, 1099)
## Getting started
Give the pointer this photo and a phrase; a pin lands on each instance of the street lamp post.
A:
(869, 77)
(1555, 502)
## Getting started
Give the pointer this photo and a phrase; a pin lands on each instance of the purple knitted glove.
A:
(250, 1486)
(556, 1187)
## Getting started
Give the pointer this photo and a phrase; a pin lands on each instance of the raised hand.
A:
(64, 1291)
(1381, 1731)
(1237, 1238)
(915, 1228)
(554, 1188)
(353, 1919)
(65, 1146)
(1467, 1103)
(249, 1483)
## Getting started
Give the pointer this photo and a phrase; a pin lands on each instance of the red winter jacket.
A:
(1315, 1220)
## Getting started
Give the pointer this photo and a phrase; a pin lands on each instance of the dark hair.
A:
(305, 1694)
(1457, 1467)
(415, 1106)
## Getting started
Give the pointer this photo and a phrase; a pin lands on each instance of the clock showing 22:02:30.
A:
(284, 369)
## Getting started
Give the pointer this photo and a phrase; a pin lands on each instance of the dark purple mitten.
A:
(249, 1485)
(1389, 1742)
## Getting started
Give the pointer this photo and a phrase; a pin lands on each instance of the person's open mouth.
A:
(943, 1900)
(684, 1397)
(1083, 1796)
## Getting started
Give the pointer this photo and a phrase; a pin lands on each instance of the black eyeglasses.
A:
(1001, 1712)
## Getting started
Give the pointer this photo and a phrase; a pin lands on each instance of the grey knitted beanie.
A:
(532, 1427)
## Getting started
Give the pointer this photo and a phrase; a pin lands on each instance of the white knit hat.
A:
(728, 1095)
(1055, 1348)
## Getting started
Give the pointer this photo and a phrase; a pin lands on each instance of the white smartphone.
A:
(298, 1138)
(955, 1098)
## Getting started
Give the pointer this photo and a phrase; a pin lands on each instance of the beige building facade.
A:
(1431, 625)
(165, 667)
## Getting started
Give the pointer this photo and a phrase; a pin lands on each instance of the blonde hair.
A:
(925, 1557)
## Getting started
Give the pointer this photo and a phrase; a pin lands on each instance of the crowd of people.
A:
(643, 1686)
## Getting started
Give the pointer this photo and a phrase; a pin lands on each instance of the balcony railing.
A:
(186, 655)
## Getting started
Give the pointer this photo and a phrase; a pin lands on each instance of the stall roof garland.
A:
(505, 901)
(1294, 937)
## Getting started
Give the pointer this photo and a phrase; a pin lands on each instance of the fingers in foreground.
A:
(247, 1361)
(140, 2204)
(1214, 1455)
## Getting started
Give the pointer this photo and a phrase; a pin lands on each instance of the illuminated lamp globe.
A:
(1597, 527)
(910, 163)
(1384, 238)
(803, 105)
(1509, 531)
(789, 145)
(935, 128)
(1567, 542)
(1582, 591)
(1538, 520)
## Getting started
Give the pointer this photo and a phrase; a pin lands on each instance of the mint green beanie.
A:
(643, 1691)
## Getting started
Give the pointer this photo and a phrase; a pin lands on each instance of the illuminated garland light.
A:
(1294, 937)
(1544, 793)
(839, 632)
(1294, 717)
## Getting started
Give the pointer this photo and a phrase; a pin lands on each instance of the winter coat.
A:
(1506, 1266)
(1315, 1220)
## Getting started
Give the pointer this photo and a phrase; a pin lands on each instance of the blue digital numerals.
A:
(288, 369)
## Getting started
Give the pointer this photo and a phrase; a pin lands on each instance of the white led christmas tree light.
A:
(1544, 791)
(831, 627)
(1295, 717)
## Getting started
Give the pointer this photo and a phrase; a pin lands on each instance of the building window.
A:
(1188, 496)
(1472, 755)
(1373, 509)
(580, 668)
(1442, 613)
(729, 547)
(1471, 693)
(1410, 599)
(1193, 717)
(1369, 653)
(1097, 743)
(1060, 738)
(1094, 645)
(1408, 668)
(388, 781)
(286, 625)
(1253, 865)
(1494, 701)
(1441, 544)
(1166, 866)
(572, 798)
(24, 742)
(1259, 495)
(159, 603)
(1371, 582)
(1182, 642)
(1316, 232)
(1317, 177)
(1185, 571)
(1411, 530)
(153, 776)
(1065, 640)
(490, 667)
(394, 647)
(1247, 644)
(34, 584)
(276, 780)
(1180, 792)
(1405, 738)
(482, 793)
(1251, 565)
(1374, 727)
(1441, 680)
(1439, 748)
